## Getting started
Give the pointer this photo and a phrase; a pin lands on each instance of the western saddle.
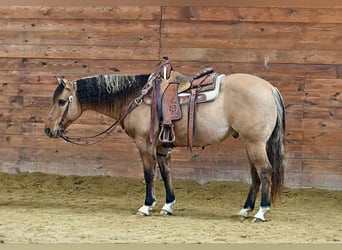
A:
(167, 95)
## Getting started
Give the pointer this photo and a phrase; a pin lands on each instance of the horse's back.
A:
(249, 82)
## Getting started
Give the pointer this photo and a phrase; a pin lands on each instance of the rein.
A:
(131, 106)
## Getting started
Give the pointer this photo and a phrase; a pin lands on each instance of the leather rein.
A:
(131, 106)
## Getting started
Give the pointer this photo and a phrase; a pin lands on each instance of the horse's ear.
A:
(59, 80)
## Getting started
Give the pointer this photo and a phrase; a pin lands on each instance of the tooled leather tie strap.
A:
(191, 118)
(154, 103)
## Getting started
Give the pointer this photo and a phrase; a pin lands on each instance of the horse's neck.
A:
(106, 97)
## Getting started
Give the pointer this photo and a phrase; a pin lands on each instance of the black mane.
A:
(109, 89)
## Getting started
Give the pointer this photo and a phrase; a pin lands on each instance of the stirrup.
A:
(167, 135)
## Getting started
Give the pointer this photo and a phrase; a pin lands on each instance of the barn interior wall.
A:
(298, 49)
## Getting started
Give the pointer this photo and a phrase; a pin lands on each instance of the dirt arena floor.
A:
(41, 208)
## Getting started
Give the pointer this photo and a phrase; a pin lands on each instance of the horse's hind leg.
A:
(261, 173)
(164, 163)
(253, 192)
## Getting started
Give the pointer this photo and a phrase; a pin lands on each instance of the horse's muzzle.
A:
(50, 134)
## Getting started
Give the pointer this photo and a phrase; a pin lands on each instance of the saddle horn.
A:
(165, 68)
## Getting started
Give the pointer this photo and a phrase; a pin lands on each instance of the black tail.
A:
(275, 148)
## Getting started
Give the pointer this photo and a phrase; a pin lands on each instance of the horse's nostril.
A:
(47, 131)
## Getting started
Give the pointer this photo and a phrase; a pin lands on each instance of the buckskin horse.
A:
(239, 105)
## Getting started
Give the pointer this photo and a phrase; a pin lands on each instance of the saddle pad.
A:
(206, 96)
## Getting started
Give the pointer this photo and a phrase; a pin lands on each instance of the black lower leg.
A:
(164, 166)
(149, 180)
(265, 196)
(250, 201)
(253, 191)
(265, 187)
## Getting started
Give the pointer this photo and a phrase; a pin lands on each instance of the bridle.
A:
(131, 106)
(76, 140)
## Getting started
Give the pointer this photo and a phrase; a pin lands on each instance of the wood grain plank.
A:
(9, 154)
(323, 167)
(85, 12)
(41, 141)
(43, 71)
(301, 180)
(92, 155)
(37, 90)
(323, 85)
(38, 70)
(322, 112)
(119, 27)
(251, 35)
(251, 55)
(305, 71)
(57, 38)
(322, 152)
(323, 99)
(79, 52)
(259, 14)
(323, 125)
(323, 138)
(118, 170)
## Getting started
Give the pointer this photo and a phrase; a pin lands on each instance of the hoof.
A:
(164, 212)
(256, 220)
(168, 208)
(145, 210)
(260, 216)
(244, 212)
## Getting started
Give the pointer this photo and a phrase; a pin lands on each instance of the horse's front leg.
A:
(164, 163)
(149, 164)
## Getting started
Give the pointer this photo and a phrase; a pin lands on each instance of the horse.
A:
(246, 106)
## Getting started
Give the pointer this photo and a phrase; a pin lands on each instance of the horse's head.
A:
(65, 108)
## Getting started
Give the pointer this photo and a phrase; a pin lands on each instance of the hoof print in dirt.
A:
(242, 218)
(141, 214)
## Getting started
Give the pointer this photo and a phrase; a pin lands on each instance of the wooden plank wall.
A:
(297, 49)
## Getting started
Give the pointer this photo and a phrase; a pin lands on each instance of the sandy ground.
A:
(41, 208)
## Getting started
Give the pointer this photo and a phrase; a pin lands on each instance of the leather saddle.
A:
(170, 91)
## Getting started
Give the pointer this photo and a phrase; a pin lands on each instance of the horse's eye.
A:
(61, 102)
